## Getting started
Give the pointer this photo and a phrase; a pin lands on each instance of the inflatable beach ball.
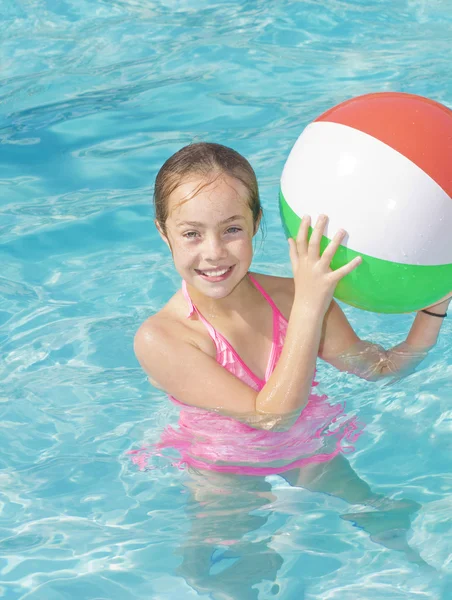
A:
(380, 167)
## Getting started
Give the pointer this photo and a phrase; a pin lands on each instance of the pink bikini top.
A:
(228, 357)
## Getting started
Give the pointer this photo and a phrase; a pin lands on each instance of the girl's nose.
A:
(215, 249)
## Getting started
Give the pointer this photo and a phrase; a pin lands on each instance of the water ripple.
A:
(94, 96)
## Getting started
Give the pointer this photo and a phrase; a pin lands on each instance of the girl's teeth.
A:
(215, 273)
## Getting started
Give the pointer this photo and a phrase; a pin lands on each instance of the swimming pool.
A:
(93, 97)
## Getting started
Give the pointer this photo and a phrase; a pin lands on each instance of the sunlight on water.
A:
(94, 96)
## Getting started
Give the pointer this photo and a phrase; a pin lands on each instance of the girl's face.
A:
(210, 231)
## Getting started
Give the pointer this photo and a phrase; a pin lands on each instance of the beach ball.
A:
(380, 167)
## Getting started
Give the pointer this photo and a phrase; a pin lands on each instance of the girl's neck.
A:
(238, 301)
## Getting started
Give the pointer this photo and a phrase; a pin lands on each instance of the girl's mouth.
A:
(215, 275)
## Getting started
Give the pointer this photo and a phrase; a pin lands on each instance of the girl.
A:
(236, 351)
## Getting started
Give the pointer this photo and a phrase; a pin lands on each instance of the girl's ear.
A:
(162, 233)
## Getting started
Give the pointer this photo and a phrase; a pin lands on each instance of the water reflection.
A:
(226, 556)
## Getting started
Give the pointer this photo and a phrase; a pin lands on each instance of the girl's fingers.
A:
(303, 232)
(301, 247)
(348, 268)
(331, 249)
(316, 237)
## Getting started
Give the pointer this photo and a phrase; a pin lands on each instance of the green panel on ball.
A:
(379, 285)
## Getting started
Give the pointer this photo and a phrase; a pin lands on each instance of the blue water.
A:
(94, 96)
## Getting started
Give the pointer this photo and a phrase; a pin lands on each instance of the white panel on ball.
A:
(387, 204)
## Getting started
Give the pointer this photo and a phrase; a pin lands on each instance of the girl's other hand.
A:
(314, 279)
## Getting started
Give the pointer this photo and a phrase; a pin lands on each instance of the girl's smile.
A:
(214, 275)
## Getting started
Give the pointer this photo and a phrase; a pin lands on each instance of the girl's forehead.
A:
(205, 197)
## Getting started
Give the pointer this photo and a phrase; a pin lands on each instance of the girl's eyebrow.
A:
(199, 224)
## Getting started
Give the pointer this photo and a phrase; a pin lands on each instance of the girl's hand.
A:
(314, 279)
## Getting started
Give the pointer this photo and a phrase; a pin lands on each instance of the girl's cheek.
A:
(243, 245)
(185, 249)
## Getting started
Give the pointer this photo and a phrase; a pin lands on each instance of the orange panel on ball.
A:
(417, 127)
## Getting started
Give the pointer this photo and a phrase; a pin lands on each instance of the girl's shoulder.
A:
(280, 289)
(171, 323)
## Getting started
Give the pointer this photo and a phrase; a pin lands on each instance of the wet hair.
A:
(210, 161)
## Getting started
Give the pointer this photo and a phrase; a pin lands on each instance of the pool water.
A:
(94, 96)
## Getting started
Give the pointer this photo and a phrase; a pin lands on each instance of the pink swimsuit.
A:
(208, 440)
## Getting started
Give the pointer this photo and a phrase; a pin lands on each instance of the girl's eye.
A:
(233, 230)
(191, 234)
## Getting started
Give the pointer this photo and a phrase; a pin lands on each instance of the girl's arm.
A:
(190, 375)
(342, 348)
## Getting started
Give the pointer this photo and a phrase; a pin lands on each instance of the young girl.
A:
(236, 351)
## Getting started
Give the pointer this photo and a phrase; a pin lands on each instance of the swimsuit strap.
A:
(192, 309)
(191, 306)
(266, 296)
